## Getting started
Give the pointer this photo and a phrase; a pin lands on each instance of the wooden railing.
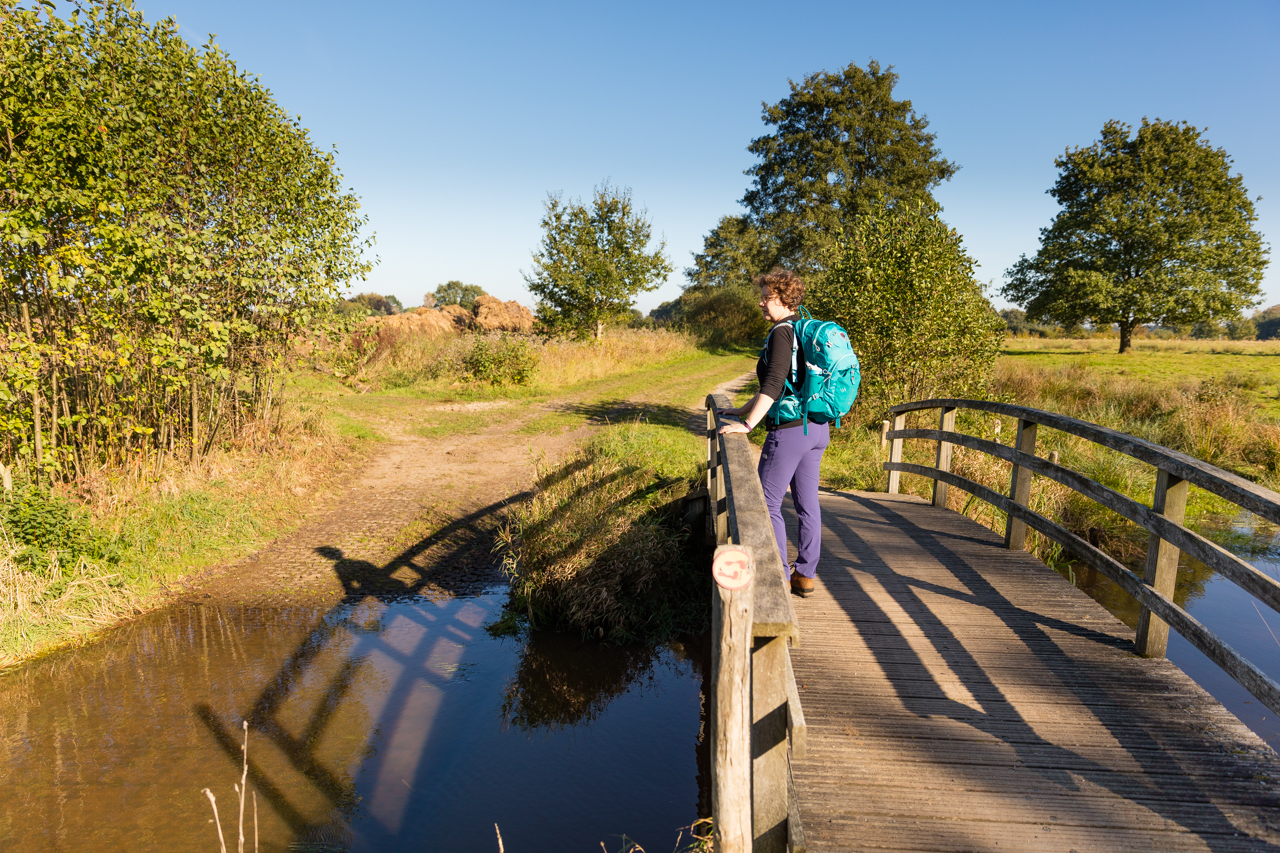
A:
(1163, 519)
(757, 724)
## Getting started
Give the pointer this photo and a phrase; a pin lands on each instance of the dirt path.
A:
(420, 516)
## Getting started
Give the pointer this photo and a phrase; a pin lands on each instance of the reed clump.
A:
(599, 548)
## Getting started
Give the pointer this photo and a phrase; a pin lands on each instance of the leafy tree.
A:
(1267, 322)
(593, 261)
(377, 304)
(395, 303)
(733, 254)
(842, 141)
(1153, 228)
(903, 286)
(457, 293)
(168, 228)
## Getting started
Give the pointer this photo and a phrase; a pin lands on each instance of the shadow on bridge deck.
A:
(961, 696)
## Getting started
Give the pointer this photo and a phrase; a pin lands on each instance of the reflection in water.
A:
(1224, 608)
(377, 725)
(559, 682)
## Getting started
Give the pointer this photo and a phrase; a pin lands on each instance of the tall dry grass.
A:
(397, 358)
(1209, 419)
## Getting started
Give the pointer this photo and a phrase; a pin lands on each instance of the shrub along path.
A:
(420, 516)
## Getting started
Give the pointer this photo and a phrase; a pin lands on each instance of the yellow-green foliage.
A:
(902, 285)
(599, 547)
(169, 228)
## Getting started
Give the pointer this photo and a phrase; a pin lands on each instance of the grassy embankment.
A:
(166, 518)
(1217, 401)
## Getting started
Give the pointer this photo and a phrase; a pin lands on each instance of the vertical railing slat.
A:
(946, 423)
(895, 454)
(1015, 529)
(1161, 571)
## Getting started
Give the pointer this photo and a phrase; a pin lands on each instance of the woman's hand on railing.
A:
(734, 427)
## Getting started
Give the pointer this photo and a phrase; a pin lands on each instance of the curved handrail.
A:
(1153, 591)
(1257, 499)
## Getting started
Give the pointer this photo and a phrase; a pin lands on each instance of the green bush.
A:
(49, 527)
(506, 360)
(903, 286)
(718, 316)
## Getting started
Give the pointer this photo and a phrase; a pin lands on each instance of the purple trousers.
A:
(791, 458)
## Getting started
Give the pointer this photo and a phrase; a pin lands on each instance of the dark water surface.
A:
(375, 726)
(1251, 628)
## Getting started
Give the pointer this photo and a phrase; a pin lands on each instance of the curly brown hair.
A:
(784, 284)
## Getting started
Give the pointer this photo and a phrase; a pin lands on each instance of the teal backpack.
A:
(829, 387)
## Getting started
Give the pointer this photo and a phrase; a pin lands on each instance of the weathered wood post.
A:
(770, 771)
(884, 434)
(731, 613)
(895, 453)
(1161, 572)
(946, 423)
(1015, 529)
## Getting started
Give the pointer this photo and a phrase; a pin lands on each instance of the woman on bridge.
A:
(790, 457)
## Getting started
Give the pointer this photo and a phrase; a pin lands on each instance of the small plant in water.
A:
(240, 790)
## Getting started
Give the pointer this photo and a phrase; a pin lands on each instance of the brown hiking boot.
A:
(801, 585)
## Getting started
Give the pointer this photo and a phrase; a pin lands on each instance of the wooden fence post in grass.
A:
(731, 614)
(1015, 529)
(946, 423)
(895, 454)
(1161, 572)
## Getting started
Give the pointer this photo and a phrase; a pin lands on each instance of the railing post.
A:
(895, 454)
(717, 499)
(769, 765)
(731, 614)
(1161, 572)
(946, 423)
(1015, 529)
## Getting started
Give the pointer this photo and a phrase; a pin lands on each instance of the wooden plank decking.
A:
(962, 697)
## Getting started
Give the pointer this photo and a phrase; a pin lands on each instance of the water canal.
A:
(381, 726)
(1250, 628)
(403, 724)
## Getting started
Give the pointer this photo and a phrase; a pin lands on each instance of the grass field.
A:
(1253, 367)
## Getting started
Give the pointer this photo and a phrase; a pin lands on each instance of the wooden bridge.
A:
(944, 690)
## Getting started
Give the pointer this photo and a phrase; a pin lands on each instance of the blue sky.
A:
(454, 120)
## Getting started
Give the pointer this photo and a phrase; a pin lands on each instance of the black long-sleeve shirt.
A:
(774, 367)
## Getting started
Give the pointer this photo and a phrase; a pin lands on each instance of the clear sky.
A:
(454, 120)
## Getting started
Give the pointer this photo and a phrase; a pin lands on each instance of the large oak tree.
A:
(841, 142)
(1153, 228)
